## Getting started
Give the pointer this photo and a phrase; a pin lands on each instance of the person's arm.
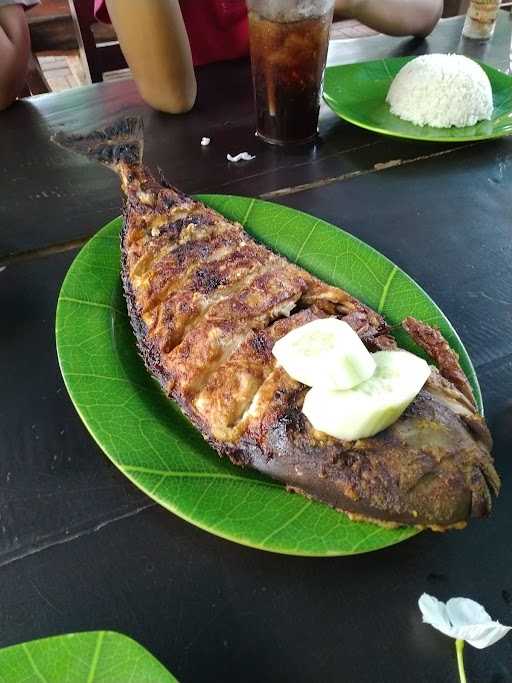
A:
(155, 44)
(14, 53)
(394, 17)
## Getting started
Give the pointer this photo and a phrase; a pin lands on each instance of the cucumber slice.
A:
(325, 353)
(374, 404)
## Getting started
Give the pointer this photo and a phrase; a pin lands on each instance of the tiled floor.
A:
(62, 71)
(350, 28)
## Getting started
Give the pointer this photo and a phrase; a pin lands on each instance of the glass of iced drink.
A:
(289, 41)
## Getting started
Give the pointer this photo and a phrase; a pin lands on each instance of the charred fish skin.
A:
(207, 303)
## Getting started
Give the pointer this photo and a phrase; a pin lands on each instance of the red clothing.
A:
(217, 29)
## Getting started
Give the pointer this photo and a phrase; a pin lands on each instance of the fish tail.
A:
(118, 146)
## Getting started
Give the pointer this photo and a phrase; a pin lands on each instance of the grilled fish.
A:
(207, 303)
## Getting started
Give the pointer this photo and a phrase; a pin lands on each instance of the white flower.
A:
(243, 156)
(463, 619)
(205, 142)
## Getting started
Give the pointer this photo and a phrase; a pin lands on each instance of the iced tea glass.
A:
(289, 41)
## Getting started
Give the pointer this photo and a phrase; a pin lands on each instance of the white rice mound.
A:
(441, 91)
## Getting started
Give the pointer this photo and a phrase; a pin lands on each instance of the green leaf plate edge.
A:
(357, 93)
(91, 657)
(146, 436)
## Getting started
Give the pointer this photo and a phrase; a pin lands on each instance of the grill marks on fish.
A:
(226, 324)
(192, 284)
(235, 392)
(214, 302)
(207, 303)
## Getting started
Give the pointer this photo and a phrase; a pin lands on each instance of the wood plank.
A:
(52, 33)
(57, 32)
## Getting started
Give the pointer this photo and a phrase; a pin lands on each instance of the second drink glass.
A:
(289, 41)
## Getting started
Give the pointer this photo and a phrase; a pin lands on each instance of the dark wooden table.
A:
(81, 548)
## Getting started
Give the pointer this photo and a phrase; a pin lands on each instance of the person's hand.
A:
(14, 53)
(154, 41)
(394, 17)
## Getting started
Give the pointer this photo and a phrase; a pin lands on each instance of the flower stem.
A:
(459, 647)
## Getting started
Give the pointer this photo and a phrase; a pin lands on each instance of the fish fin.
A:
(120, 143)
(435, 345)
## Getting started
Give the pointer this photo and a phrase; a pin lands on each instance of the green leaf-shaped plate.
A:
(145, 434)
(93, 657)
(357, 93)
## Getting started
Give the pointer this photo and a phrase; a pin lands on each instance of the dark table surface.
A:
(81, 548)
